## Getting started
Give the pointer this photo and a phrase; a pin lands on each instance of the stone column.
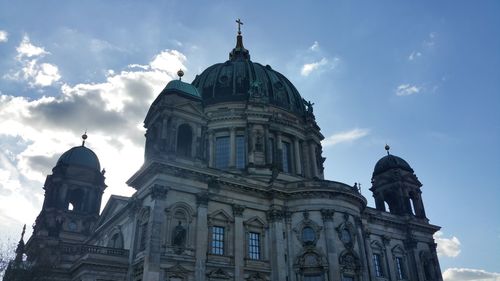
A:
(437, 267)
(298, 164)
(267, 158)
(289, 242)
(201, 236)
(359, 238)
(232, 145)
(239, 242)
(277, 247)
(391, 275)
(313, 163)
(413, 261)
(211, 149)
(279, 151)
(152, 254)
(332, 255)
(369, 254)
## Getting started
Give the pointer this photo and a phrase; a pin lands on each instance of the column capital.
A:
(327, 214)
(159, 192)
(238, 210)
(202, 199)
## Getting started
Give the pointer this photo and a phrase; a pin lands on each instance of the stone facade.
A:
(232, 188)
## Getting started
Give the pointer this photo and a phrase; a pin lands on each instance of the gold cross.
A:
(240, 23)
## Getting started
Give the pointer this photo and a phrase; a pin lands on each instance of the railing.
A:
(91, 249)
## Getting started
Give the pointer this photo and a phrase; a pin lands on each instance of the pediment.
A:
(113, 206)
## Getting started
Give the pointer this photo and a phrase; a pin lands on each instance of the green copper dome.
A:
(80, 156)
(177, 86)
(240, 79)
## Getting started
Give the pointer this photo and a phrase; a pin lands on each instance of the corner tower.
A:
(395, 184)
(72, 196)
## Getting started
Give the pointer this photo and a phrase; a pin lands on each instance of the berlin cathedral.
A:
(232, 188)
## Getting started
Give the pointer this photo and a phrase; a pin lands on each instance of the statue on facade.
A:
(179, 235)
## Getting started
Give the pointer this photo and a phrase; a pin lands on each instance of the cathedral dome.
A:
(389, 162)
(80, 156)
(240, 79)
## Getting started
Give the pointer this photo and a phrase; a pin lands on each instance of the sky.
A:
(421, 76)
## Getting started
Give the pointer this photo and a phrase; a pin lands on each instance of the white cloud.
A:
(346, 136)
(468, 274)
(4, 36)
(407, 89)
(32, 70)
(26, 49)
(315, 46)
(308, 68)
(448, 247)
(38, 131)
(414, 55)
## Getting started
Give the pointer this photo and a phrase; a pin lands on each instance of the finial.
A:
(387, 147)
(240, 23)
(24, 231)
(180, 73)
(84, 137)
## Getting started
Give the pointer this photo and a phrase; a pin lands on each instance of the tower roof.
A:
(389, 162)
(80, 156)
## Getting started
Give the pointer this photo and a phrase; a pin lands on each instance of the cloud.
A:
(407, 89)
(414, 55)
(346, 136)
(308, 68)
(430, 41)
(4, 36)
(448, 247)
(32, 70)
(468, 274)
(315, 46)
(35, 132)
(26, 49)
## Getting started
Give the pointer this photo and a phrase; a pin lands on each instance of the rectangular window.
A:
(222, 150)
(254, 246)
(240, 152)
(217, 247)
(287, 159)
(399, 268)
(377, 265)
(313, 277)
(270, 150)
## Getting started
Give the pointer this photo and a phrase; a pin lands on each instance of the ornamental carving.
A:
(238, 210)
(159, 192)
(274, 215)
(327, 214)
(307, 231)
(347, 233)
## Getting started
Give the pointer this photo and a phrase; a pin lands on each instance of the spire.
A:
(84, 137)
(20, 248)
(239, 52)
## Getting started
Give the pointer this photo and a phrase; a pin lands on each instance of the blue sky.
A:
(422, 76)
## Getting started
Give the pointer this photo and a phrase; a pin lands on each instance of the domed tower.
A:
(237, 116)
(395, 184)
(72, 196)
(175, 124)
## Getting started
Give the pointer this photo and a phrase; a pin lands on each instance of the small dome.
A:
(389, 162)
(80, 156)
(177, 86)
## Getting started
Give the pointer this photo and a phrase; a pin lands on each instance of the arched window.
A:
(74, 200)
(184, 140)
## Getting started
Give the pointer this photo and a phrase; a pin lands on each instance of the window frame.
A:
(254, 251)
(218, 250)
(218, 152)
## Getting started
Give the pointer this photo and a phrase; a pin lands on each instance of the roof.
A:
(80, 156)
(389, 162)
